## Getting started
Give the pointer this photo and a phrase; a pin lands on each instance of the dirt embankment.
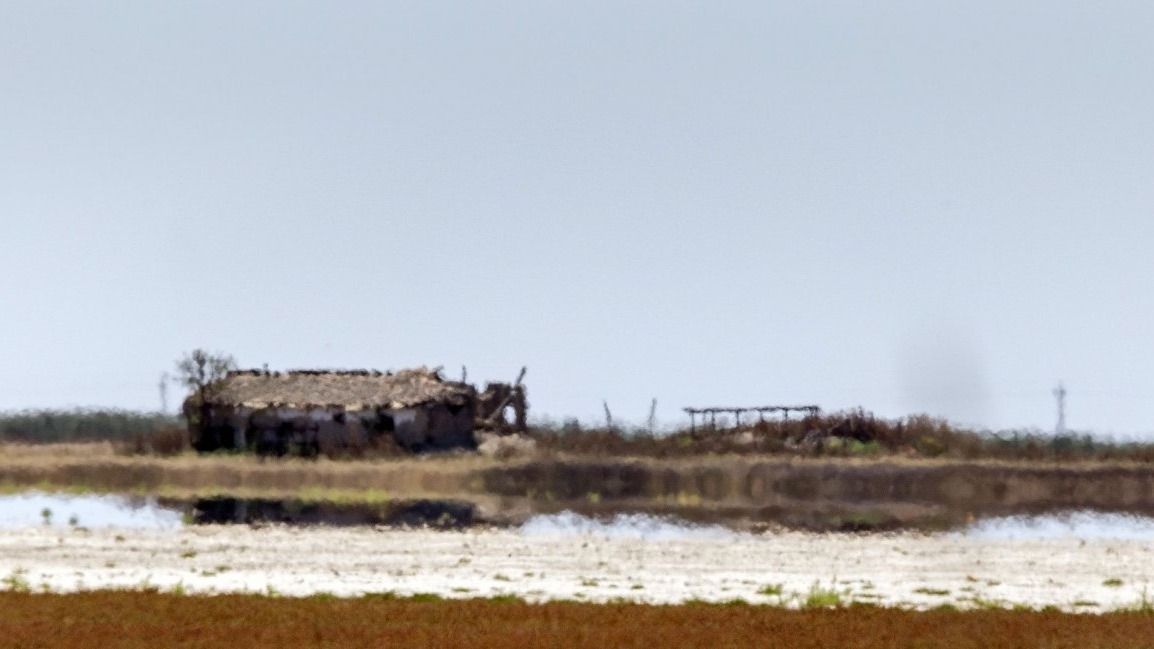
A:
(825, 494)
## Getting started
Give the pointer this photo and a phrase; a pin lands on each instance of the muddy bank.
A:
(831, 494)
(745, 492)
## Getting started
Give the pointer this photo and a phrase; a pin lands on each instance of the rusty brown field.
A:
(141, 619)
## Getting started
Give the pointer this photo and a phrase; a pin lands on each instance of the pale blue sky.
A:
(908, 206)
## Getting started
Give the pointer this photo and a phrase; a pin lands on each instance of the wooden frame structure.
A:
(710, 414)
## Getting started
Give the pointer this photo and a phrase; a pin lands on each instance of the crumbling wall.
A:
(494, 402)
(332, 429)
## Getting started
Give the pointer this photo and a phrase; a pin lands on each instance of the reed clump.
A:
(855, 433)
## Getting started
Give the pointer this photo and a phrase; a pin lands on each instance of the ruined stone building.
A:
(308, 412)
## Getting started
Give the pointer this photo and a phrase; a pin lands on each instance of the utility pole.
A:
(1060, 395)
(163, 386)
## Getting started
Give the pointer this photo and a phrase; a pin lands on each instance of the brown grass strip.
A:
(141, 619)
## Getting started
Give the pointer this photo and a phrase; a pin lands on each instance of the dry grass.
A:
(53, 452)
(135, 619)
(100, 468)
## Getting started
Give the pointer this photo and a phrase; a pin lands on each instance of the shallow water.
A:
(91, 511)
(1085, 525)
(35, 508)
(621, 526)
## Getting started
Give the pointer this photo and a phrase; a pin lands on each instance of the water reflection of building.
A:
(440, 514)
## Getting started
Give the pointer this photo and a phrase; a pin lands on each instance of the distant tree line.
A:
(81, 425)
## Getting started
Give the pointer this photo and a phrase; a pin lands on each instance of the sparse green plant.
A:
(17, 582)
(1144, 604)
(819, 597)
(984, 604)
(146, 586)
(937, 592)
(1112, 582)
(771, 590)
(387, 595)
